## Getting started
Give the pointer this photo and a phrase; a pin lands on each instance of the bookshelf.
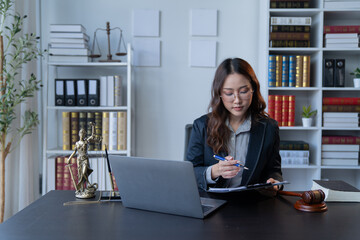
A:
(301, 177)
(52, 134)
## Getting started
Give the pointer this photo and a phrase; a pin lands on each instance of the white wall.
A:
(170, 96)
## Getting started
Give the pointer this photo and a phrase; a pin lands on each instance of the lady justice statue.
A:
(84, 189)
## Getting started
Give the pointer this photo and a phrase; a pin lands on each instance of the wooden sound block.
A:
(317, 207)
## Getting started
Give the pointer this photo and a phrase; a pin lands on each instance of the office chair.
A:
(188, 128)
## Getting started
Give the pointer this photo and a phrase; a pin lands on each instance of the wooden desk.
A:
(247, 216)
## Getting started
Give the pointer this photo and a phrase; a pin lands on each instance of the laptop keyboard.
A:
(206, 208)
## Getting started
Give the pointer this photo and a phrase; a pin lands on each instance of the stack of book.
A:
(282, 109)
(289, 3)
(341, 104)
(341, 40)
(341, 119)
(340, 154)
(294, 153)
(290, 31)
(289, 71)
(68, 43)
(111, 126)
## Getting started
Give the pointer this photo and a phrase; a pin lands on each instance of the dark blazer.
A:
(263, 158)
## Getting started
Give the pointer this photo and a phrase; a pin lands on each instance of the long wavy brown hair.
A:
(218, 132)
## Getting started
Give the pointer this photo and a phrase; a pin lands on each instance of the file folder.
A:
(81, 96)
(339, 79)
(59, 92)
(94, 92)
(70, 93)
(328, 73)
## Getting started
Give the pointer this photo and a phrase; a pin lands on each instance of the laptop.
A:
(164, 186)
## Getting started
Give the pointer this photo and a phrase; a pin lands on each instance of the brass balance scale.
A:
(121, 48)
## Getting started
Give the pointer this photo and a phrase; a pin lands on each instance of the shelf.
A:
(349, 51)
(340, 89)
(302, 51)
(88, 64)
(295, 12)
(91, 153)
(294, 88)
(300, 128)
(95, 108)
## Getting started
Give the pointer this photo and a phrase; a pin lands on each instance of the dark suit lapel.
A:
(256, 142)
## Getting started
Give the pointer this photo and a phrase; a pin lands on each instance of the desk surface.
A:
(246, 216)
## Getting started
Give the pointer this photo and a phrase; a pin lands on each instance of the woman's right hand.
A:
(226, 169)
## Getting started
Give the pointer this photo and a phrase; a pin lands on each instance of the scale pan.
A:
(120, 54)
(94, 55)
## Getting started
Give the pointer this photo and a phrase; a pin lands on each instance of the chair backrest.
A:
(188, 129)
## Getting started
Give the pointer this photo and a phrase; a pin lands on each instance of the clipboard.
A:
(245, 188)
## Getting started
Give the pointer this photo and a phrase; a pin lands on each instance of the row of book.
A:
(290, 38)
(60, 176)
(341, 119)
(111, 126)
(89, 92)
(289, 71)
(282, 109)
(340, 154)
(289, 3)
(341, 40)
(294, 152)
(68, 43)
(334, 73)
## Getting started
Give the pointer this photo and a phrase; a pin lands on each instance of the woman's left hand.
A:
(271, 180)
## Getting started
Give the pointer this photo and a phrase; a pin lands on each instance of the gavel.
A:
(309, 197)
(311, 201)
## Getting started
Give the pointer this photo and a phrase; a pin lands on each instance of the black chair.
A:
(188, 129)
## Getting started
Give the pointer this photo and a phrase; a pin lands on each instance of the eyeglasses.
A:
(231, 96)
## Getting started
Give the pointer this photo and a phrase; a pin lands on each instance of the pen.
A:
(223, 159)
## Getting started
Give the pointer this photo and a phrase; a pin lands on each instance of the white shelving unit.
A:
(301, 177)
(52, 145)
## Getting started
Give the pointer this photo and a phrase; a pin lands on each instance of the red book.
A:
(278, 109)
(341, 101)
(342, 29)
(74, 171)
(67, 177)
(340, 140)
(285, 111)
(291, 118)
(271, 106)
(116, 188)
(59, 181)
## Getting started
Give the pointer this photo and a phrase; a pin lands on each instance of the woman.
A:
(238, 129)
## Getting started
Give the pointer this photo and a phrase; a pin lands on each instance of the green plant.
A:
(16, 49)
(356, 73)
(307, 113)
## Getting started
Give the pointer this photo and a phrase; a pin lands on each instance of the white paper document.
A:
(244, 188)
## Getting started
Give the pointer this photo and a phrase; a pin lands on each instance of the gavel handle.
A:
(287, 193)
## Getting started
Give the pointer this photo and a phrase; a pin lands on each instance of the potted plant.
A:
(356, 73)
(16, 49)
(306, 115)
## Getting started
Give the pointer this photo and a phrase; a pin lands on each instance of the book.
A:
(289, 43)
(341, 45)
(271, 106)
(105, 130)
(341, 36)
(122, 131)
(340, 147)
(306, 71)
(294, 145)
(299, 71)
(74, 123)
(60, 168)
(68, 45)
(118, 91)
(341, 40)
(272, 71)
(98, 129)
(304, 21)
(337, 191)
(67, 28)
(341, 108)
(340, 140)
(291, 119)
(68, 41)
(69, 58)
(110, 91)
(342, 114)
(69, 51)
(82, 121)
(74, 171)
(289, 36)
(341, 125)
(342, 120)
(285, 110)
(294, 153)
(67, 178)
(289, 4)
(69, 35)
(294, 161)
(66, 130)
(342, 29)
(339, 162)
(278, 71)
(285, 71)
(343, 154)
(341, 100)
(112, 131)
(292, 71)
(278, 109)
(290, 28)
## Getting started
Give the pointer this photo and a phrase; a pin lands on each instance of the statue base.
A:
(89, 192)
